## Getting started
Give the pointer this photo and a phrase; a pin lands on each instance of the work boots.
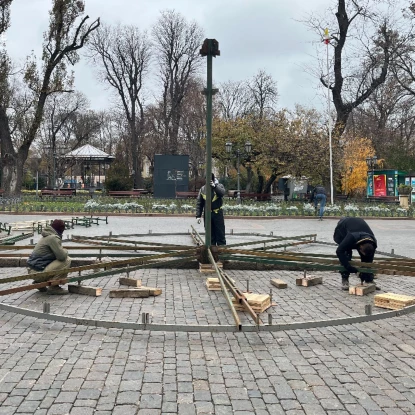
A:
(345, 283)
(56, 290)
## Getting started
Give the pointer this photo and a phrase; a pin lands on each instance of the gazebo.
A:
(93, 163)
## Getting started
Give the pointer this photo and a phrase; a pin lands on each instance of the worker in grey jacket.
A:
(49, 255)
(217, 218)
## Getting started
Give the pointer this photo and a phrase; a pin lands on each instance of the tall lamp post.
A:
(371, 162)
(238, 153)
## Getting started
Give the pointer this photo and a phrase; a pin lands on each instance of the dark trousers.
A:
(364, 276)
(218, 228)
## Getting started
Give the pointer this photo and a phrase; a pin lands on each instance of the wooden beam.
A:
(130, 293)
(85, 290)
(279, 283)
(130, 281)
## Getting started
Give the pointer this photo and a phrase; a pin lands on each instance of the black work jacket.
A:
(217, 194)
(349, 233)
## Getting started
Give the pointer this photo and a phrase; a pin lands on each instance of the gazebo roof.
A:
(88, 152)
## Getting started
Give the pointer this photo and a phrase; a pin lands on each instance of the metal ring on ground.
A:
(207, 328)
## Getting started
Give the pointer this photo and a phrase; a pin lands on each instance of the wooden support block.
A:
(153, 291)
(130, 281)
(279, 283)
(130, 293)
(309, 281)
(258, 302)
(362, 289)
(85, 290)
(393, 301)
(208, 268)
(213, 284)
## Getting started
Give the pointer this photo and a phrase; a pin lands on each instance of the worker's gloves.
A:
(213, 184)
(199, 220)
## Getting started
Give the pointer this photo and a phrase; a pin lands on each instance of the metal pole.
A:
(208, 205)
(238, 197)
(54, 169)
(37, 183)
(329, 125)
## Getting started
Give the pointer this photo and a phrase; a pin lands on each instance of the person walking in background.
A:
(49, 255)
(354, 233)
(319, 196)
(217, 218)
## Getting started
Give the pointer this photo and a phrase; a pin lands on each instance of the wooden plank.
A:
(309, 281)
(85, 290)
(129, 293)
(153, 291)
(393, 301)
(130, 281)
(279, 283)
(362, 289)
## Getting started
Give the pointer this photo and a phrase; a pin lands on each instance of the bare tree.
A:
(62, 41)
(363, 43)
(233, 99)
(177, 43)
(263, 95)
(4, 14)
(123, 53)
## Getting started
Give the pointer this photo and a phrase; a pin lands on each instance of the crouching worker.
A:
(354, 233)
(217, 220)
(49, 255)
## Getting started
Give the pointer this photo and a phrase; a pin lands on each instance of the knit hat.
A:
(58, 225)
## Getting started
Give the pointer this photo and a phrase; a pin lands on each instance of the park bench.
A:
(124, 193)
(57, 193)
(186, 195)
(256, 196)
(341, 198)
(384, 199)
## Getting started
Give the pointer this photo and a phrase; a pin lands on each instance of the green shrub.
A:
(118, 177)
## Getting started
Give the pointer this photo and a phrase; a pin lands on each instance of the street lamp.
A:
(238, 153)
(371, 162)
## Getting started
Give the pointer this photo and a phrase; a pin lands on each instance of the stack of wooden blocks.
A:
(258, 302)
(393, 301)
(209, 268)
(213, 284)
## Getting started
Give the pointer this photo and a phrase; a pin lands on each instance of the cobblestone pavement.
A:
(48, 367)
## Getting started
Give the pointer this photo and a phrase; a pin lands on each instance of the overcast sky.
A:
(252, 34)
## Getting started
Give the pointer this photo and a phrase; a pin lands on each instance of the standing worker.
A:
(319, 196)
(49, 255)
(217, 219)
(354, 233)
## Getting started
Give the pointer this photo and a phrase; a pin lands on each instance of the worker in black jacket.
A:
(217, 219)
(354, 233)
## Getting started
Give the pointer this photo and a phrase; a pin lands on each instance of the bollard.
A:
(150, 231)
(247, 286)
(271, 233)
(392, 251)
(231, 231)
(269, 318)
(143, 318)
(46, 308)
(368, 309)
(110, 233)
(270, 295)
(305, 273)
(31, 242)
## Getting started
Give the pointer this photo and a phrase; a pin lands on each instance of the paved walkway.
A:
(49, 367)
